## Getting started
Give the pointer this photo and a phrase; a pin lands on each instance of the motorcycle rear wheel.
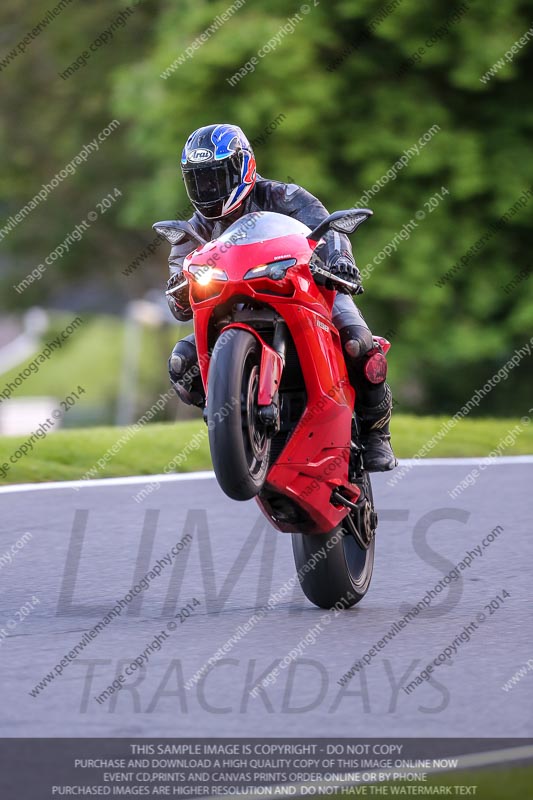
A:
(240, 447)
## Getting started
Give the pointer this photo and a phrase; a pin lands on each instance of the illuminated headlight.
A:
(276, 270)
(205, 274)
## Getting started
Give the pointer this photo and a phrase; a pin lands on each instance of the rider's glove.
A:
(178, 301)
(341, 263)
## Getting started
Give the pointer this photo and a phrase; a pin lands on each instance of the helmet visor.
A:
(209, 184)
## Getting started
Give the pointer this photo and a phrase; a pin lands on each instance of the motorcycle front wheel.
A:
(333, 568)
(240, 447)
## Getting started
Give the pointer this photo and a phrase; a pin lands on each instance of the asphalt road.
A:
(88, 547)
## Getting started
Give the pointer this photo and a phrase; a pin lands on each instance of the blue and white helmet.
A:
(219, 171)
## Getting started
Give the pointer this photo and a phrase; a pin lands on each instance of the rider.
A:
(219, 172)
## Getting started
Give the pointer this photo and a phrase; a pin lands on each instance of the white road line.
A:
(450, 462)
(208, 474)
(129, 480)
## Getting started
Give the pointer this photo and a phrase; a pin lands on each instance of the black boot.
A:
(375, 435)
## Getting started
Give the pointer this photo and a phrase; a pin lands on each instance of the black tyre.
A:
(339, 569)
(240, 447)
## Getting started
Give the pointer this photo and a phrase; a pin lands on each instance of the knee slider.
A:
(356, 341)
(184, 373)
(176, 366)
(182, 359)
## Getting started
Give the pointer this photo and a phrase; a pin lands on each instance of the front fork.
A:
(270, 372)
(269, 414)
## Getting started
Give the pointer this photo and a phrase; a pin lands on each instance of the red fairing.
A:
(270, 369)
(314, 460)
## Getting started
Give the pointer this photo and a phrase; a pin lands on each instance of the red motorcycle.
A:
(279, 402)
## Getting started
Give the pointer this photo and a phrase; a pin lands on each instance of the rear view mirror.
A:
(350, 222)
(342, 221)
(176, 231)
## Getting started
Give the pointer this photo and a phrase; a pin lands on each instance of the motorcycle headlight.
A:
(276, 270)
(204, 274)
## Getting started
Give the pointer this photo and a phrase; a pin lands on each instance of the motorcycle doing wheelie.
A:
(279, 404)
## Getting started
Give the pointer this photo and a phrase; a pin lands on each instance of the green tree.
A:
(353, 85)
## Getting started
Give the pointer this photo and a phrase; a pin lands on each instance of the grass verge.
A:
(109, 452)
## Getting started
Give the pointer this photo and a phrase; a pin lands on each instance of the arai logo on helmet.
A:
(200, 154)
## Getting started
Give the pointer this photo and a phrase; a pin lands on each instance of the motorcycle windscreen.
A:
(261, 226)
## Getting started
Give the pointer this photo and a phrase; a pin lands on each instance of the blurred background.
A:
(343, 91)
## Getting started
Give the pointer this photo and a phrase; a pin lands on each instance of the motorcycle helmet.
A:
(219, 171)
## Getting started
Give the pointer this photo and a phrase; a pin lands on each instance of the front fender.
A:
(271, 367)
